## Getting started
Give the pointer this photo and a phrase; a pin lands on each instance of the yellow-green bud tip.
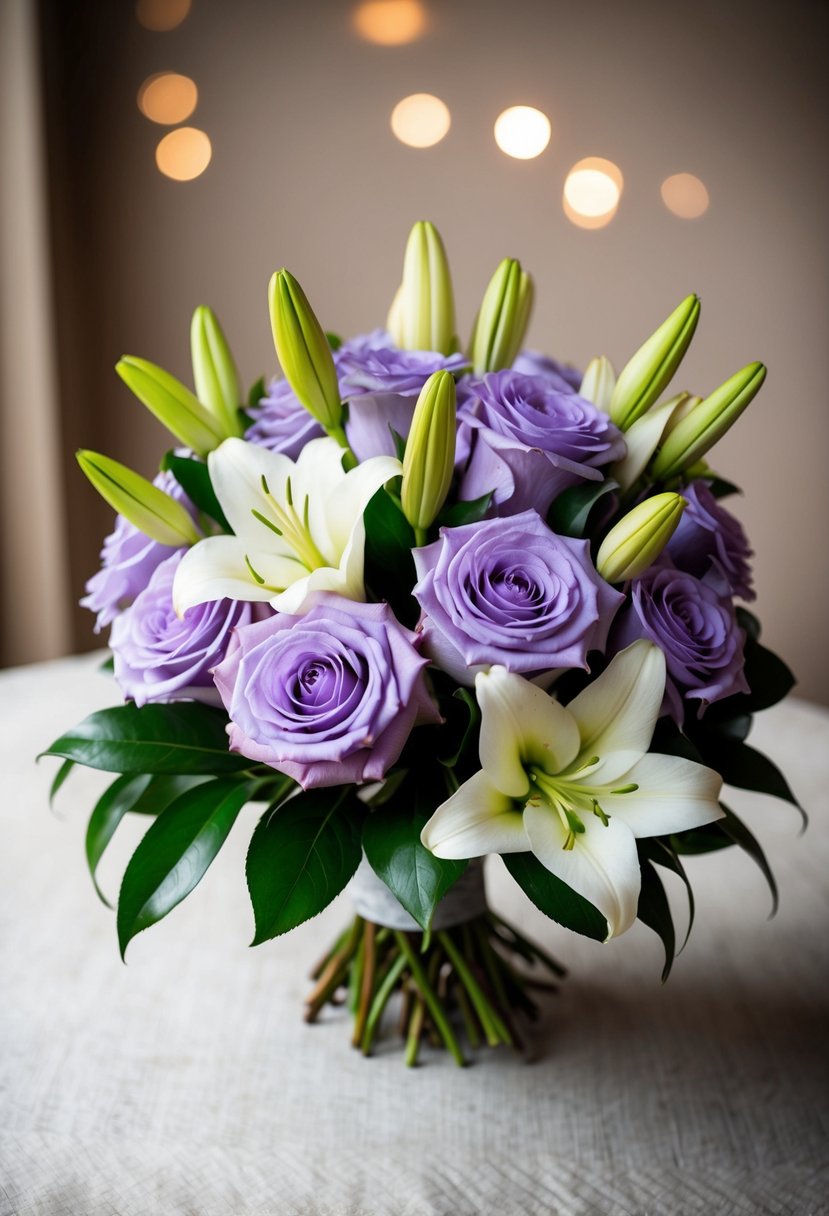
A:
(637, 540)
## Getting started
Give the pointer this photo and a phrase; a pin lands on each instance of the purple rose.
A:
(531, 441)
(559, 375)
(329, 697)
(696, 627)
(510, 591)
(381, 385)
(128, 559)
(711, 543)
(161, 658)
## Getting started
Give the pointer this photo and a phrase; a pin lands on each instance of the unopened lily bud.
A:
(427, 302)
(598, 382)
(697, 433)
(152, 511)
(651, 368)
(304, 352)
(214, 372)
(636, 541)
(644, 437)
(394, 321)
(429, 459)
(503, 318)
(687, 402)
(173, 404)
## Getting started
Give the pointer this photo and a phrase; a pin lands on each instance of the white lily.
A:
(576, 785)
(298, 526)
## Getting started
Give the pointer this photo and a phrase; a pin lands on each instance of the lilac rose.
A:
(328, 697)
(711, 543)
(510, 591)
(128, 559)
(159, 657)
(695, 626)
(381, 385)
(531, 441)
(560, 375)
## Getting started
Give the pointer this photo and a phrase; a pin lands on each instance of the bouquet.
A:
(426, 603)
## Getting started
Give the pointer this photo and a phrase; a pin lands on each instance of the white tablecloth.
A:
(187, 1082)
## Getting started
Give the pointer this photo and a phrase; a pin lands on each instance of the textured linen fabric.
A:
(187, 1082)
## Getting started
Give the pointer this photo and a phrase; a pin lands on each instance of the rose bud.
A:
(708, 422)
(503, 318)
(214, 372)
(637, 540)
(429, 459)
(427, 305)
(141, 503)
(598, 382)
(173, 404)
(646, 374)
(304, 353)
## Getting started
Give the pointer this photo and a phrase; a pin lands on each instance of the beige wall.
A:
(306, 173)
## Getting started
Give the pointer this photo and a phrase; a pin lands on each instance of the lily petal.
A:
(642, 440)
(349, 499)
(477, 819)
(674, 794)
(602, 866)
(216, 569)
(236, 471)
(617, 713)
(521, 726)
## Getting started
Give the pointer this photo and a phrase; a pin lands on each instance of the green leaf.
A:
(554, 898)
(740, 834)
(470, 730)
(748, 621)
(301, 856)
(390, 571)
(109, 810)
(334, 341)
(182, 737)
(107, 668)
(416, 878)
(460, 513)
(707, 839)
(662, 853)
(194, 478)
(59, 778)
(257, 392)
(654, 911)
(721, 488)
(161, 791)
(748, 769)
(175, 853)
(570, 512)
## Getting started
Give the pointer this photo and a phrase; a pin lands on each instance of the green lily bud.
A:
(427, 303)
(394, 321)
(598, 382)
(304, 352)
(635, 543)
(429, 459)
(172, 403)
(214, 372)
(707, 422)
(644, 377)
(685, 403)
(503, 318)
(152, 511)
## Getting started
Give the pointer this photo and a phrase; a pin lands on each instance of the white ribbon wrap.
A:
(372, 900)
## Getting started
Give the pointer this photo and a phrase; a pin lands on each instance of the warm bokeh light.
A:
(183, 154)
(161, 15)
(685, 195)
(167, 98)
(420, 120)
(522, 132)
(592, 192)
(390, 22)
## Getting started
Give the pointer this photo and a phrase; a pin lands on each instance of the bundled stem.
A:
(464, 983)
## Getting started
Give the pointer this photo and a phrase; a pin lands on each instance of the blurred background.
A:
(169, 153)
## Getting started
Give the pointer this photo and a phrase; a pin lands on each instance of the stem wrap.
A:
(464, 901)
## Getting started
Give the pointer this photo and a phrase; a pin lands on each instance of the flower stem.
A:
(494, 1028)
(427, 992)
(380, 1001)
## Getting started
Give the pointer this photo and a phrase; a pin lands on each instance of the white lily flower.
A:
(298, 526)
(576, 785)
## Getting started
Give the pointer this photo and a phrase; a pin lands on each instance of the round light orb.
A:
(183, 154)
(167, 98)
(421, 120)
(685, 195)
(592, 191)
(390, 22)
(161, 15)
(522, 132)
